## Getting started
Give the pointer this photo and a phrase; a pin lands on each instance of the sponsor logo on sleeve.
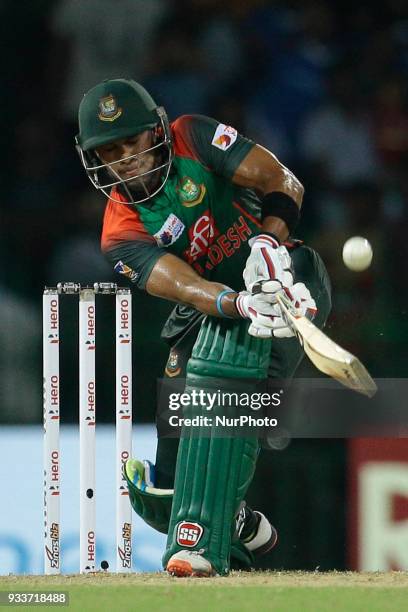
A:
(171, 229)
(122, 268)
(189, 534)
(224, 137)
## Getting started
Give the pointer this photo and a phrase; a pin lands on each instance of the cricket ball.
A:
(357, 253)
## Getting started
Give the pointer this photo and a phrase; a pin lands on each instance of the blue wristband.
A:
(218, 302)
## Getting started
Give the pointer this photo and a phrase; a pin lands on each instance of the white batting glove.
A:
(302, 301)
(266, 318)
(273, 324)
(268, 261)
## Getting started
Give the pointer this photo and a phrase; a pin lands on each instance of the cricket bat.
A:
(326, 355)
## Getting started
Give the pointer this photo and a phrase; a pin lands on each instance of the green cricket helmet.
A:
(113, 110)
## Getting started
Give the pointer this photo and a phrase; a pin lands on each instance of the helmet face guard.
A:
(118, 109)
(104, 176)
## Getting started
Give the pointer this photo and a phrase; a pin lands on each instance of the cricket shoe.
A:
(255, 531)
(186, 563)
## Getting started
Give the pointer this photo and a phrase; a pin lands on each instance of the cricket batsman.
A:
(202, 216)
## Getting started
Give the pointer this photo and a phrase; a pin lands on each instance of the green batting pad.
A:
(213, 473)
(224, 349)
(151, 504)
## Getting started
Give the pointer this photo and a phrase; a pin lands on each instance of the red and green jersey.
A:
(199, 215)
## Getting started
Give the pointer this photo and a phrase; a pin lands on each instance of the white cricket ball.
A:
(357, 253)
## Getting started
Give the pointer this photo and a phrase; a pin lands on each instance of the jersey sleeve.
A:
(127, 244)
(134, 259)
(216, 145)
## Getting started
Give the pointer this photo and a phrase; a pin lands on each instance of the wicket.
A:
(87, 420)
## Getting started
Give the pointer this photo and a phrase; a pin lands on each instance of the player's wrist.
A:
(226, 305)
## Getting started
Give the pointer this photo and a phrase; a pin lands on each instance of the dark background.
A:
(322, 84)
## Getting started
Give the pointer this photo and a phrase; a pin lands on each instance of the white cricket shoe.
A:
(185, 563)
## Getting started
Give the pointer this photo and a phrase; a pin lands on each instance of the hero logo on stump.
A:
(189, 534)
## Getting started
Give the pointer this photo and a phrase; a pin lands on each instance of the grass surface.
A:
(275, 591)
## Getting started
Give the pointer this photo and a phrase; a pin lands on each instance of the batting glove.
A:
(268, 261)
(301, 299)
(266, 317)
